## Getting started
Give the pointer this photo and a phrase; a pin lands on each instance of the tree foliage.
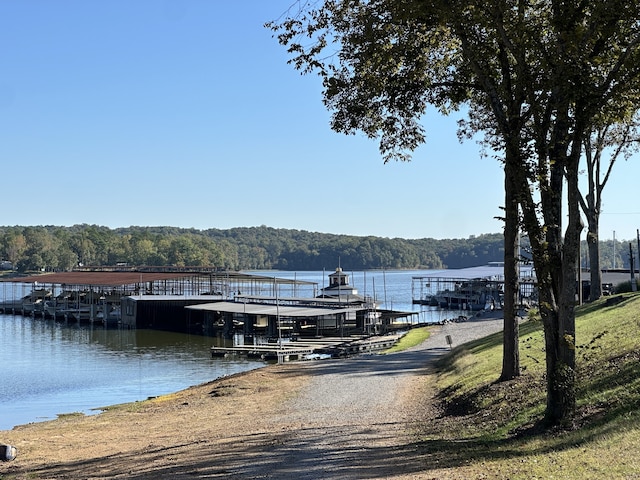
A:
(52, 248)
(602, 148)
(256, 248)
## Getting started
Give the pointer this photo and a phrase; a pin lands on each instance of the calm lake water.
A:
(50, 367)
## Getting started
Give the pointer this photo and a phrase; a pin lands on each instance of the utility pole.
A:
(634, 285)
(579, 272)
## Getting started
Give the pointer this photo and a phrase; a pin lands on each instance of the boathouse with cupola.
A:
(338, 311)
(340, 288)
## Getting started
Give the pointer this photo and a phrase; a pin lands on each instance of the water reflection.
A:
(53, 367)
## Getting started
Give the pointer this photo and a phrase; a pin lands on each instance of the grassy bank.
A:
(492, 429)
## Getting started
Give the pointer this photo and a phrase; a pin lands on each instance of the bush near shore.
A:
(495, 428)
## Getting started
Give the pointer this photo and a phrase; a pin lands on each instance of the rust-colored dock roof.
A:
(110, 279)
(113, 279)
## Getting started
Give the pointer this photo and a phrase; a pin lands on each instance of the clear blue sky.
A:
(185, 113)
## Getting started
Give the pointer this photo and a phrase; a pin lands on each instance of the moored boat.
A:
(474, 295)
(30, 304)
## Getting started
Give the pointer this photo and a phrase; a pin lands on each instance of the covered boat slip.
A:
(188, 281)
(271, 320)
(475, 288)
(273, 317)
(295, 331)
(93, 290)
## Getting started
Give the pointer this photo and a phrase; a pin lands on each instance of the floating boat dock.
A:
(473, 288)
(201, 301)
(309, 349)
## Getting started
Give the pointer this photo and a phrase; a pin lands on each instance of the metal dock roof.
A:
(488, 272)
(266, 309)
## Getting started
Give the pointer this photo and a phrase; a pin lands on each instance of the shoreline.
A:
(98, 410)
(72, 446)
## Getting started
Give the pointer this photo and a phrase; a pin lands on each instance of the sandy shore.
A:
(333, 419)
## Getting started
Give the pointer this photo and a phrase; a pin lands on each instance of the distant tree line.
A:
(55, 248)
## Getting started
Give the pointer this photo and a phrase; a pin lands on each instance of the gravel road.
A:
(353, 420)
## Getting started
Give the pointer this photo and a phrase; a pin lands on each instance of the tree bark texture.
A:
(511, 337)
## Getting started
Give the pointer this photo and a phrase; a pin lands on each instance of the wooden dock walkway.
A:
(306, 348)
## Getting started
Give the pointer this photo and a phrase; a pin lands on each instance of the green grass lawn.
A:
(414, 337)
(491, 430)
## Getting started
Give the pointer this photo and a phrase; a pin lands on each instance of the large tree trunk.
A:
(555, 260)
(560, 330)
(557, 315)
(511, 350)
(560, 339)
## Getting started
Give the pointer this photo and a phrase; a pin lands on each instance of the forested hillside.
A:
(54, 248)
